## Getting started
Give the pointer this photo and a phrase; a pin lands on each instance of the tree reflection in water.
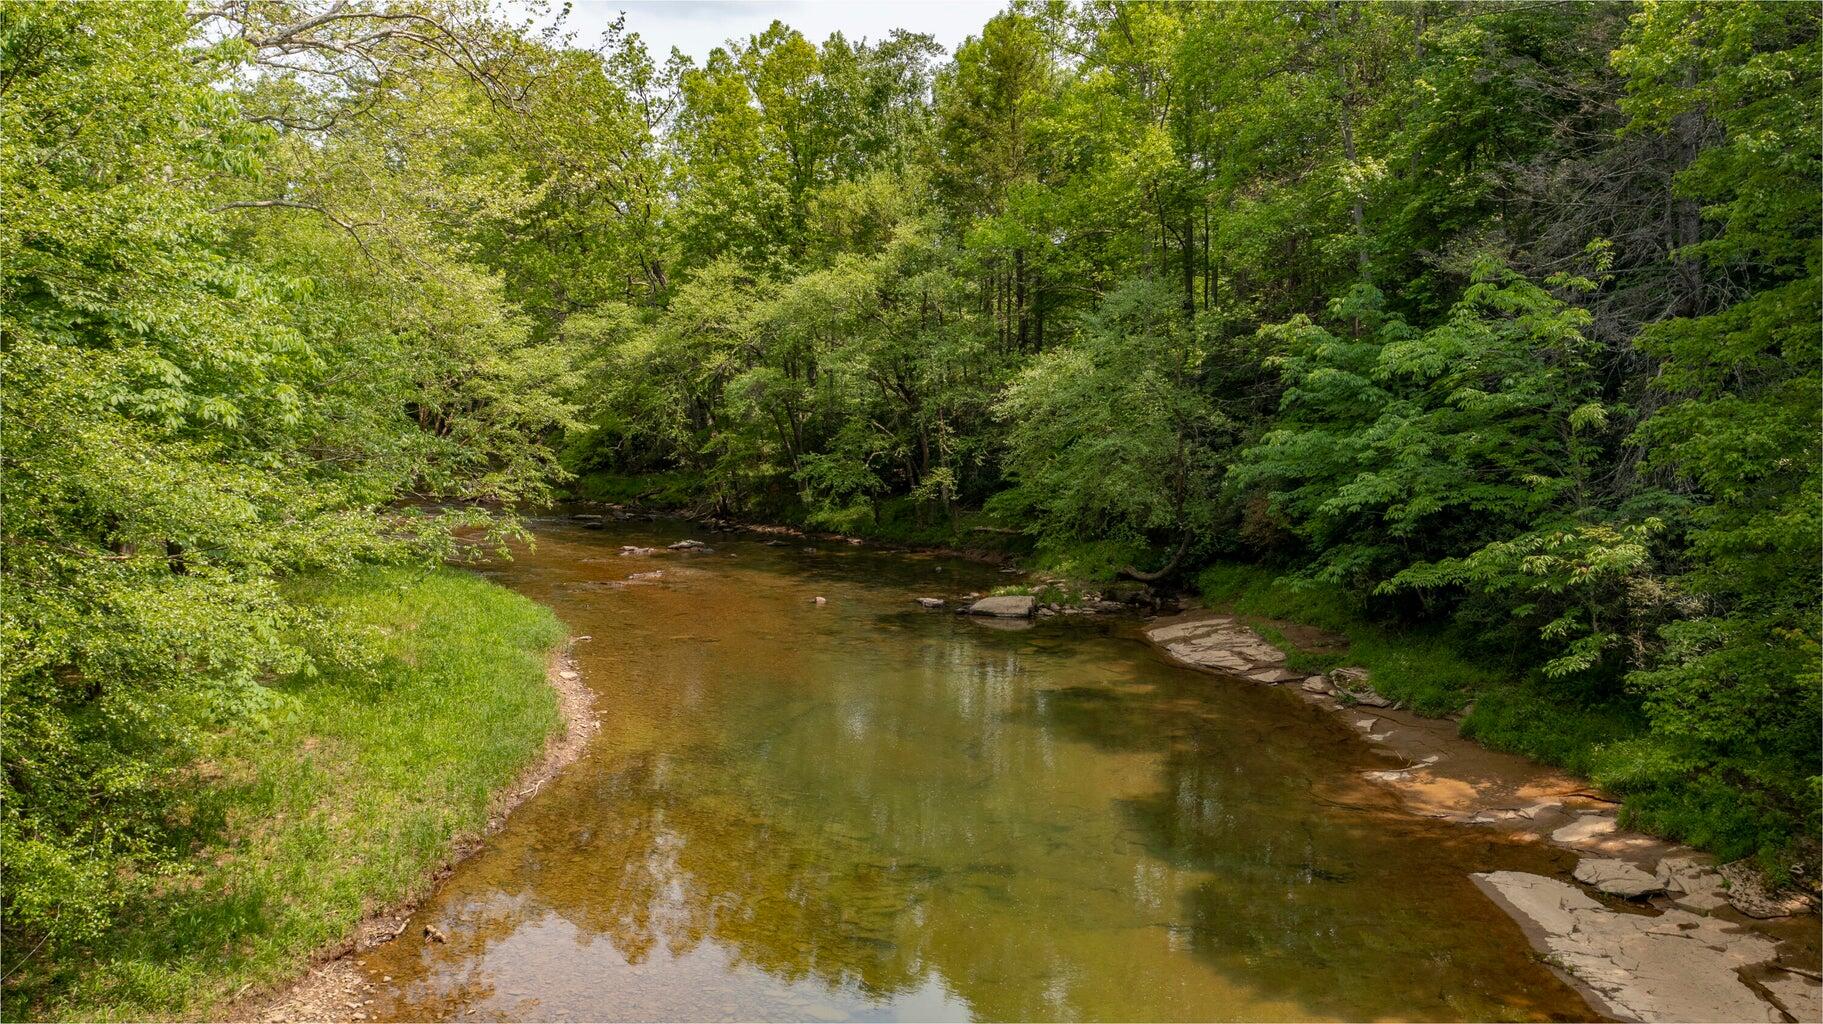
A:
(876, 813)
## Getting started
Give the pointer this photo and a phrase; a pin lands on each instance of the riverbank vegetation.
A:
(1497, 322)
(337, 797)
(1493, 322)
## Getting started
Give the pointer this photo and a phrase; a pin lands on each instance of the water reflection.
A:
(864, 811)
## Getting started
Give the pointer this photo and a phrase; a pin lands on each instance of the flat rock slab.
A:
(1221, 644)
(1616, 877)
(1586, 828)
(1009, 606)
(1674, 966)
(1800, 995)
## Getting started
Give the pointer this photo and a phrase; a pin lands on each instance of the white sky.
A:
(698, 26)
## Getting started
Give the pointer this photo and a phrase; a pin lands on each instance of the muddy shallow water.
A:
(866, 810)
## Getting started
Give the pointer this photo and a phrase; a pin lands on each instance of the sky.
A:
(697, 26)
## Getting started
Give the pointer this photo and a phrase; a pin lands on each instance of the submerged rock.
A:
(1670, 966)
(931, 602)
(1616, 877)
(686, 545)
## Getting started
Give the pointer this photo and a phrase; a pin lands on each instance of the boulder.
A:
(1008, 606)
(1616, 877)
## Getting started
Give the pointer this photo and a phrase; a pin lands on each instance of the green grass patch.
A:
(345, 793)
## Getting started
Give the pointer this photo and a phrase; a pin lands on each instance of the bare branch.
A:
(291, 204)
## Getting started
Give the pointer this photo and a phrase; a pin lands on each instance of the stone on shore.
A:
(1659, 967)
(1584, 829)
(1008, 606)
(1616, 877)
(1351, 682)
(1751, 897)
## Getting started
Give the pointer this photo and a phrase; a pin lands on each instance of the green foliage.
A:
(338, 795)
(207, 394)
(1109, 436)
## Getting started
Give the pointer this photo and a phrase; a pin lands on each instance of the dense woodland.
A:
(1497, 319)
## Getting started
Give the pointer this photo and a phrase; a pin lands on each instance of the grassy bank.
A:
(348, 789)
(1604, 738)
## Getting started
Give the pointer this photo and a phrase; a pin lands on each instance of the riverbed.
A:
(863, 809)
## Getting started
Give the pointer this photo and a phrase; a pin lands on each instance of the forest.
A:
(1495, 324)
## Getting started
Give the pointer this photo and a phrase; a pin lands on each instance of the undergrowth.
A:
(341, 797)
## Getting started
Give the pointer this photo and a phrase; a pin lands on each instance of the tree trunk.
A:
(1170, 567)
(1019, 310)
(1188, 262)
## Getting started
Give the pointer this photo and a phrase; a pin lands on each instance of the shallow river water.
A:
(866, 810)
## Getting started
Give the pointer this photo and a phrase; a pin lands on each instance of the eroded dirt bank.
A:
(1646, 929)
(332, 989)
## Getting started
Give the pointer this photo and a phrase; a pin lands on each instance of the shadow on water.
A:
(864, 811)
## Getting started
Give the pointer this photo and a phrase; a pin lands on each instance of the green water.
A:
(865, 810)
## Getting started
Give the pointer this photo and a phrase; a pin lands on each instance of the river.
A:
(863, 809)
